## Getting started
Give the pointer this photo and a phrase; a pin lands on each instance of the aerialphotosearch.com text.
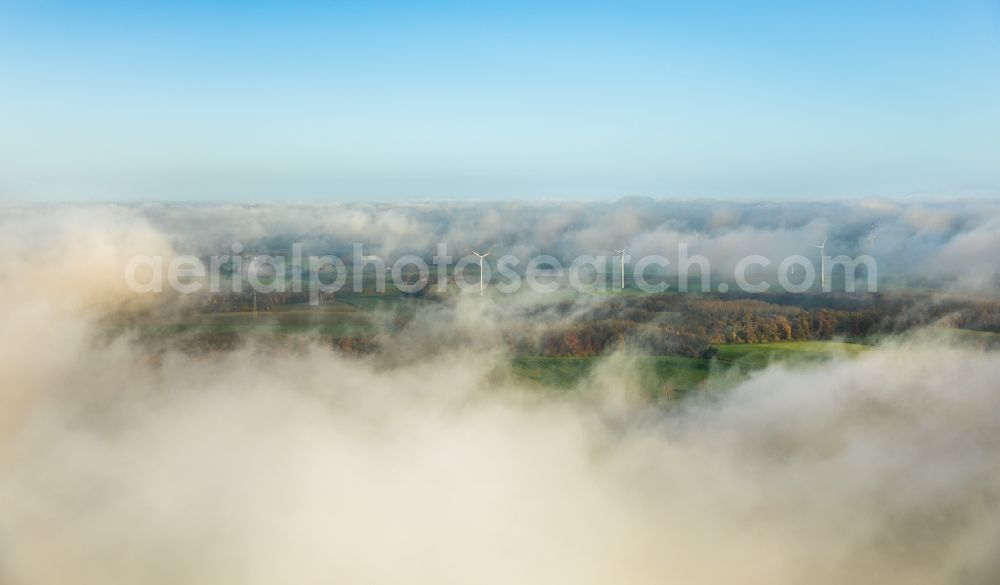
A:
(484, 272)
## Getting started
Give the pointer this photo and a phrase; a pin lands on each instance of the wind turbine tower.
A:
(623, 251)
(822, 264)
(482, 286)
(253, 265)
(871, 238)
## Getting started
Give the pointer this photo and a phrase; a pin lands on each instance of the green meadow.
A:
(674, 376)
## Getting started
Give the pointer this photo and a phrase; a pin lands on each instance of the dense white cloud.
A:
(307, 466)
(947, 242)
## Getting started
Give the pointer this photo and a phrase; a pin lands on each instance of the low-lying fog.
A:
(307, 466)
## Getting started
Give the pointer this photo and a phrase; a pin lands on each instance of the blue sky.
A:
(397, 100)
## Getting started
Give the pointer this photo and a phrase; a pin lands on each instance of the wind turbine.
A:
(482, 287)
(871, 238)
(253, 265)
(623, 251)
(822, 264)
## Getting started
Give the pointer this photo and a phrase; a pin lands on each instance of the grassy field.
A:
(679, 372)
(333, 319)
(752, 356)
(676, 376)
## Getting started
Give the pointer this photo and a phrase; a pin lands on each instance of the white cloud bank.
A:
(309, 467)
